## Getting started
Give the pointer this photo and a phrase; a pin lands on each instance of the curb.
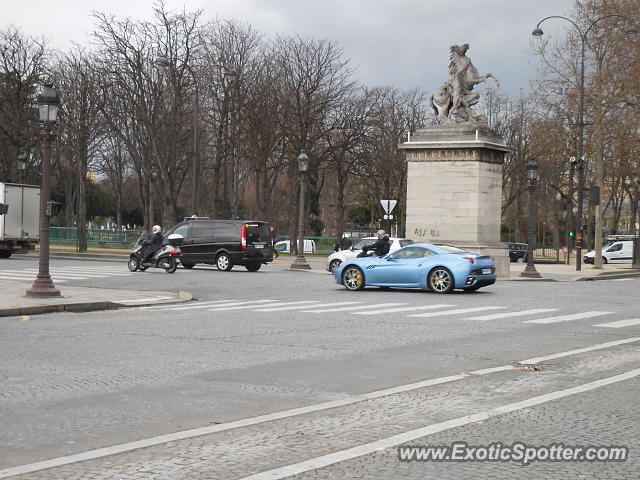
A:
(609, 276)
(78, 307)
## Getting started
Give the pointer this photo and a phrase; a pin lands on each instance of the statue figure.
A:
(455, 97)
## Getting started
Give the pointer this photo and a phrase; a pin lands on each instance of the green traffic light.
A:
(572, 234)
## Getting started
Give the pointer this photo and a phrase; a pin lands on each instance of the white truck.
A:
(19, 217)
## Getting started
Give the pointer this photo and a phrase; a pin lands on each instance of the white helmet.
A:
(156, 229)
(380, 232)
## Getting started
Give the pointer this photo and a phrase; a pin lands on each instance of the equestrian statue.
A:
(456, 97)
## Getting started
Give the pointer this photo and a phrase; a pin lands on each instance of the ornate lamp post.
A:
(532, 177)
(301, 262)
(48, 103)
(537, 32)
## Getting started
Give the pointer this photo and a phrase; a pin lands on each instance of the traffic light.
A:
(572, 234)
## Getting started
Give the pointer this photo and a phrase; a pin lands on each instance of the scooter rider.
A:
(345, 243)
(381, 246)
(153, 243)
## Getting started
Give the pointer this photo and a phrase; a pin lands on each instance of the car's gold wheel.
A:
(353, 278)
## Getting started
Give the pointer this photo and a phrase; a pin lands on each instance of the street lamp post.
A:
(537, 32)
(301, 262)
(48, 103)
(163, 63)
(532, 178)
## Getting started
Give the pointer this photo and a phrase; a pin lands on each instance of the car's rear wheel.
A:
(440, 280)
(253, 267)
(335, 263)
(223, 262)
(188, 265)
(353, 278)
(604, 261)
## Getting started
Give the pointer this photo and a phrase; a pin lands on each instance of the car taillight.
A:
(243, 236)
(471, 259)
(173, 252)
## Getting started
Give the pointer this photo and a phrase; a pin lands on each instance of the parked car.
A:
(517, 251)
(224, 243)
(283, 246)
(615, 252)
(439, 268)
(341, 256)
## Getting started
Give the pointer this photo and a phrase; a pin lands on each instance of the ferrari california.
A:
(439, 268)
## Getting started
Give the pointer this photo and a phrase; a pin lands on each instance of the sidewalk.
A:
(14, 302)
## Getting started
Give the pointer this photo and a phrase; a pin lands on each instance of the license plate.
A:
(258, 245)
(486, 271)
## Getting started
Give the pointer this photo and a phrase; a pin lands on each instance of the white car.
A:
(283, 246)
(616, 252)
(340, 256)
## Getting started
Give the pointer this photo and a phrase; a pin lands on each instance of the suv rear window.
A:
(258, 233)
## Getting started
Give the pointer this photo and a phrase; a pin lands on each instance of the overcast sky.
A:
(399, 42)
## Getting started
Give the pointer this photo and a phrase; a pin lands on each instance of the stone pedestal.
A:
(454, 188)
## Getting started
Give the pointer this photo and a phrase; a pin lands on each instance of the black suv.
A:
(517, 251)
(225, 243)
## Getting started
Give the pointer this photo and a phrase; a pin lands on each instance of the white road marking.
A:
(402, 309)
(53, 275)
(600, 346)
(222, 304)
(190, 306)
(196, 432)
(389, 442)
(521, 313)
(345, 309)
(297, 307)
(454, 312)
(568, 318)
(620, 323)
(83, 273)
(138, 300)
(622, 280)
(30, 278)
(245, 305)
(485, 371)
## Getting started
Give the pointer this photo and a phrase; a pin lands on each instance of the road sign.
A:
(388, 217)
(388, 205)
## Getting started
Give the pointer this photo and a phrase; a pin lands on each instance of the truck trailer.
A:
(19, 217)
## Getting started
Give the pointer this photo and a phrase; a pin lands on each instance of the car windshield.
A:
(363, 242)
(450, 249)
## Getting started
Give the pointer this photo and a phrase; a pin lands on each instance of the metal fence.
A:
(324, 245)
(95, 236)
(548, 255)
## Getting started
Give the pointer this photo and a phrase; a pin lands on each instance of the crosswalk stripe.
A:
(297, 307)
(83, 274)
(53, 275)
(567, 318)
(345, 309)
(228, 303)
(240, 307)
(454, 312)
(32, 277)
(402, 309)
(521, 313)
(620, 323)
(187, 307)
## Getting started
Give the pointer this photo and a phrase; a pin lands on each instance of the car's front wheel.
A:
(353, 278)
(604, 260)
(335, 263)
(440, 280)
(223, 262)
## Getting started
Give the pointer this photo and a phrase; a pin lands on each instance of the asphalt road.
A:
(70, 383)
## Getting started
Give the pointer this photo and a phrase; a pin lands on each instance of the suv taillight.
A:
(243, 236)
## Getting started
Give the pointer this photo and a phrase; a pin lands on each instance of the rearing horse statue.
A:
(456, 97)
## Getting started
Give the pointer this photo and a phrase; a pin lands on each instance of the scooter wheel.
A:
(133, 264)
(170, 265)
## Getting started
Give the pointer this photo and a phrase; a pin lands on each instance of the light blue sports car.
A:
(439, 268)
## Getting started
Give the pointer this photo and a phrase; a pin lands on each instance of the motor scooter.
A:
(166, 257)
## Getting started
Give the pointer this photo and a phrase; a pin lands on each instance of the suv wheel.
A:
(188, 265)
(253, 267)
(223, 262)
